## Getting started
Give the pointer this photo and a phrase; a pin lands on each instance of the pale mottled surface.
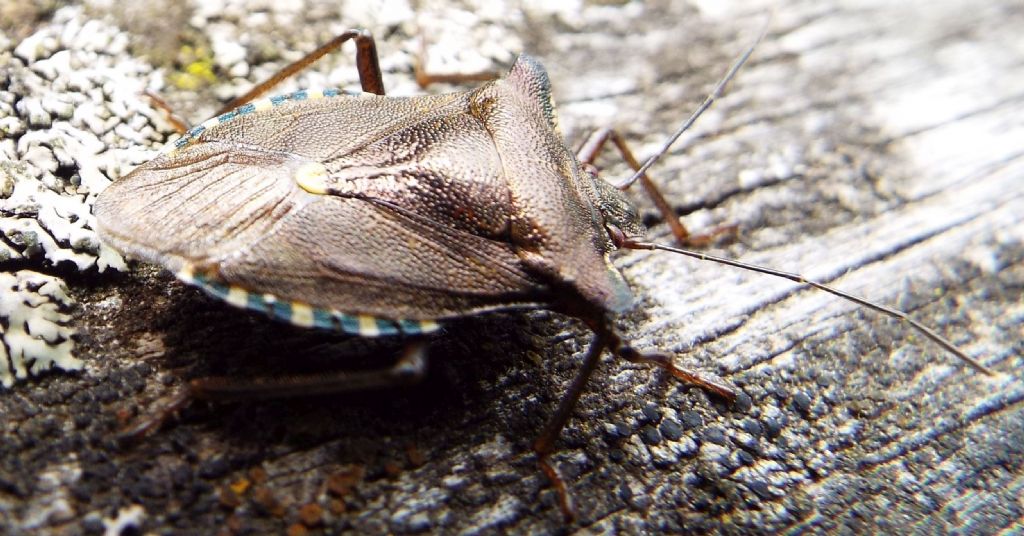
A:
(869, 145)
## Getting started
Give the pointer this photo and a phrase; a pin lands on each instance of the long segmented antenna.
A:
(715, 94)
(623, 242)
(626, 243)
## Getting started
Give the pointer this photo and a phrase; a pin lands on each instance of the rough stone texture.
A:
(872, 145)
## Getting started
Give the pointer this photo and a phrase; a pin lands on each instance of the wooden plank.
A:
(872, 145)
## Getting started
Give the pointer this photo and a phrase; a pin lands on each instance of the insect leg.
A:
(179, 126)
(684, 375)
(604, 338)
(155, 420)
(410, 368)
(366, 62)
(424, 79)
(546, 440)
(592, 148)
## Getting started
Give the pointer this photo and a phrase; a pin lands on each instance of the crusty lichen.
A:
(34, 331)
(73, 116)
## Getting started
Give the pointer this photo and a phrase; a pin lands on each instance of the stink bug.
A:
(376, 216)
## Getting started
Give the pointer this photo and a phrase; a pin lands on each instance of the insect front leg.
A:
(592, 148)
(684, 375)
(605, 338)
(545, 442)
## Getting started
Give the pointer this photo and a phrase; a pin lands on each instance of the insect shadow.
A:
(206, 341)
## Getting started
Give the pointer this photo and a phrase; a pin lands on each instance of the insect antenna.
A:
(715, 94)
(626, 243)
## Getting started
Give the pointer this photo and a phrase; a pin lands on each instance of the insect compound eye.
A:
(618, 211)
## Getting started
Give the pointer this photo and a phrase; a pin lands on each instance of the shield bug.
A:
(376, 216)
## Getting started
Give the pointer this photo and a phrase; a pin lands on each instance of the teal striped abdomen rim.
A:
(255, 106)
(302, 314)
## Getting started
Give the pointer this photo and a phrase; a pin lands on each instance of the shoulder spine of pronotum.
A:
(376, 216)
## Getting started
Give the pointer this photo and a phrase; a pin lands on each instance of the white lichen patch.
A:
(51, 504)
(34, 335)
(73, 116)
(130, 517)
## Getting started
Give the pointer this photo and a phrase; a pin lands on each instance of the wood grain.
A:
(870, 145)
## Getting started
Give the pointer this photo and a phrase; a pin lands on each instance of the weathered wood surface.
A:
(876, 146)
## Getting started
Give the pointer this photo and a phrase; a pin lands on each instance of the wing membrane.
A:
(238, 211)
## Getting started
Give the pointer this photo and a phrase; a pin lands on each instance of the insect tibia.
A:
(626, 243)
(665, 361)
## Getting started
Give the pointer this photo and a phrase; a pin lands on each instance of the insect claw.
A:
(565, 501)
(412, 366)
(153, 421)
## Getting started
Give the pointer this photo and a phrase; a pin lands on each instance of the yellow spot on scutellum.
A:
(312, 177)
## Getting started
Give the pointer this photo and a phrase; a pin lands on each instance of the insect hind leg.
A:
(368, 65)
(179, 126)
(425, 78)
(410, 368)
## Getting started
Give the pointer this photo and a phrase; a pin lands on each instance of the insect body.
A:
(375, 215)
